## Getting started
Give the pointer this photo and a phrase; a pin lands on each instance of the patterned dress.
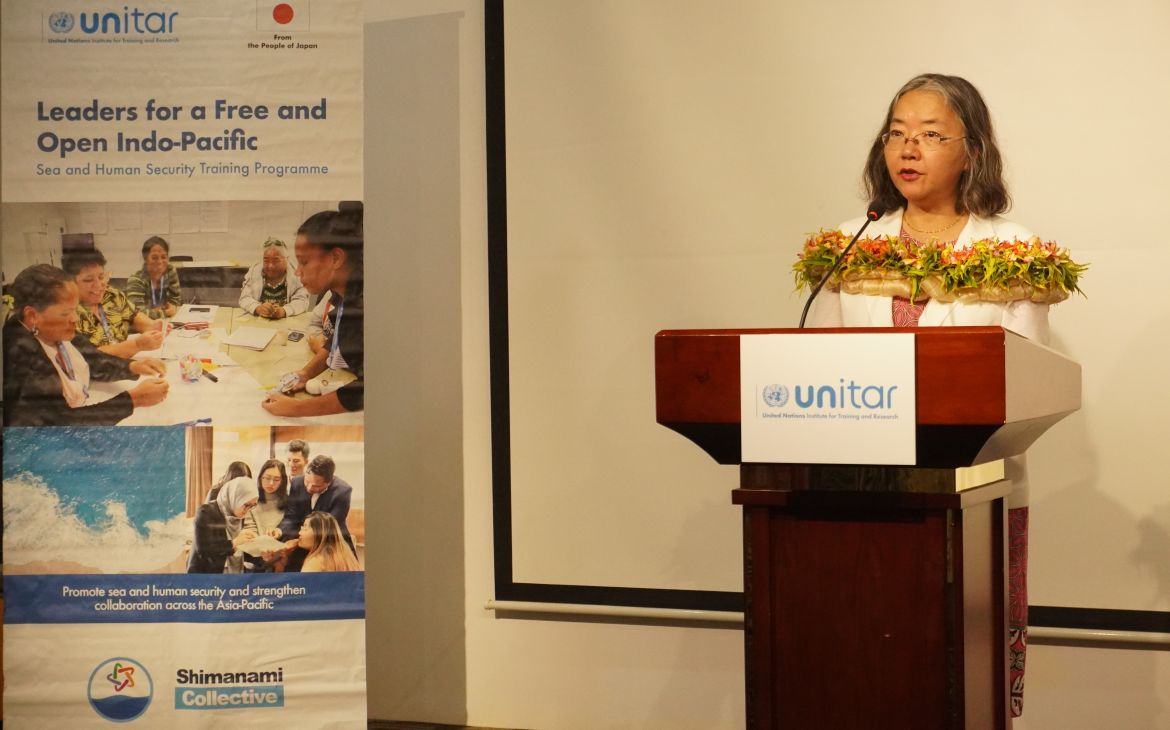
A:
(119, 311)
(905, 312)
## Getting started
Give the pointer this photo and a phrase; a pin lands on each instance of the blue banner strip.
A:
(181, 598)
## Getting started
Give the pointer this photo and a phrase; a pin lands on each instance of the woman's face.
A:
(270, 480)
(156, 261)
(58, 321)
(246, 507)
(927, 178)
(92, 282)
(316, 266)
(306, 537)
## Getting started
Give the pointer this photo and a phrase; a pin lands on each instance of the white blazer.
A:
(834, 309)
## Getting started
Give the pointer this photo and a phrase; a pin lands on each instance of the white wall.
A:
(30, 233)
(1061, 87)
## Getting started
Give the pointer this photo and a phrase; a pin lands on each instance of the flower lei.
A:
(987, 270)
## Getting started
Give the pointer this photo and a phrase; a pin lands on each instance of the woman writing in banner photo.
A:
(329, 262)
(48, 366)
(934, 165)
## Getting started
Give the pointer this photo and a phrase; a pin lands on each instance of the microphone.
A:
(875, 210)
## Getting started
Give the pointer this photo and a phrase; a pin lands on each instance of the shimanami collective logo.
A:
(199, 689)
(120, 689)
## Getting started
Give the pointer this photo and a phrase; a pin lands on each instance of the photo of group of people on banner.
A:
(230, 499)
(300, 513)
(79, 350)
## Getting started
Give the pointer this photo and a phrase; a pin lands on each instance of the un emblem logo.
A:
(61, 22)
(775, 395)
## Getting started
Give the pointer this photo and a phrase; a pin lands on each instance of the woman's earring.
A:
(36, 330)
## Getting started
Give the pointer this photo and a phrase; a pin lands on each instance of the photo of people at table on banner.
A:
(242, 499)
(164, 314)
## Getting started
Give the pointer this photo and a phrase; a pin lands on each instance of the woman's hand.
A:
(281, 405)
(148, 366)
(149, 392)
(149, 340)
(274, 532)
(245, 536)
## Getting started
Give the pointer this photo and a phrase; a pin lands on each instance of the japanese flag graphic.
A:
(282, 15)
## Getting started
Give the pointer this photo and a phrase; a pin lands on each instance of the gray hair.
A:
(276, 243)
(982, 190)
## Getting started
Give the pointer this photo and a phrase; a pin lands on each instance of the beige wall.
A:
(1079, 126)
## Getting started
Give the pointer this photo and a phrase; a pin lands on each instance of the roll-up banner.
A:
(183, 370)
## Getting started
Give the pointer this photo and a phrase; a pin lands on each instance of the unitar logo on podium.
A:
(842, 396)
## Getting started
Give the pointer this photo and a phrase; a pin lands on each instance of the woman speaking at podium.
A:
(935, 170)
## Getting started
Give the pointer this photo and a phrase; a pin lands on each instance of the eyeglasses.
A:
(274, 242)
(930, 140)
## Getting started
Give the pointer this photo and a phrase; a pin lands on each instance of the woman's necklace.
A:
(906, 222)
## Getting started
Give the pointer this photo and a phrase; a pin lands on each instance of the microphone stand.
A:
(872, 214)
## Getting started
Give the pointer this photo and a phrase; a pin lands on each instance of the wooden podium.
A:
(876, 595)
